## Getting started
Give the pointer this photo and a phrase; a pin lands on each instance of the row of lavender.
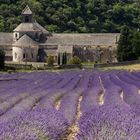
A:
(44, 105)
(119, 117)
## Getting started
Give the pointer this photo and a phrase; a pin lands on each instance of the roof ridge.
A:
(60, 33)
(40, 27)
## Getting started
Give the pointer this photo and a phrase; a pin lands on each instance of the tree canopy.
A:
(129, 45)
(73, 15)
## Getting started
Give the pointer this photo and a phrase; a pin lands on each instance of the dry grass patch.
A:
(74, 129)
(135, 67)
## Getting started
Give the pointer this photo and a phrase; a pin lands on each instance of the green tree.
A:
(73, 16)
(136, 44)
(125, 49)
(2, 58)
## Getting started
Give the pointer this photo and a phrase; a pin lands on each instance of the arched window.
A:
(16, 36)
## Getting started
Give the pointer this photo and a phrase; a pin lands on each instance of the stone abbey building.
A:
(31, 42)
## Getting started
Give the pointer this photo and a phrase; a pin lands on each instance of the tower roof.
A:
(30, 27)
(25, 41)
(27, 11)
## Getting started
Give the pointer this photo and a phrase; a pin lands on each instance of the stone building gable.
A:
(25, 41)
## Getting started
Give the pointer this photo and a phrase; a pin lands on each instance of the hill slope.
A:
(73, 15)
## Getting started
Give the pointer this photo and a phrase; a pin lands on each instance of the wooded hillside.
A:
(73, 15)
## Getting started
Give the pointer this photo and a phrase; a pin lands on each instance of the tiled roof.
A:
(30, 27)
(25, 41)
(62, 39)
(41, 28)
(27, 11)
(107, 39)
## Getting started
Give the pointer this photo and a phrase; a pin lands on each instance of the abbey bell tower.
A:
(27, 15)
(27, 37)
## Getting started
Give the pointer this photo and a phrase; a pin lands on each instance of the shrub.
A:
(2, 58)
(75, 60)
(50, 61)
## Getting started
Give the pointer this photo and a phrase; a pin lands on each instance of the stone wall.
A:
(24, 54)
(100, 54)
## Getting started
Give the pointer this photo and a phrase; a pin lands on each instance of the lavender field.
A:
(77, 105)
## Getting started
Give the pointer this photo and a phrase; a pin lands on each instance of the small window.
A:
(24, 56)
(16, 35)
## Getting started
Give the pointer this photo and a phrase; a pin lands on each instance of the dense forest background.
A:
(73, 15)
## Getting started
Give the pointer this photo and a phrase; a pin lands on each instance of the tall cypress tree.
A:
(58, 58)
(63, 59)
(2, 58)
(136, 44)
(125, 49)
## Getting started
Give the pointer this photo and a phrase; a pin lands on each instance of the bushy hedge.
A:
(75, 60)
